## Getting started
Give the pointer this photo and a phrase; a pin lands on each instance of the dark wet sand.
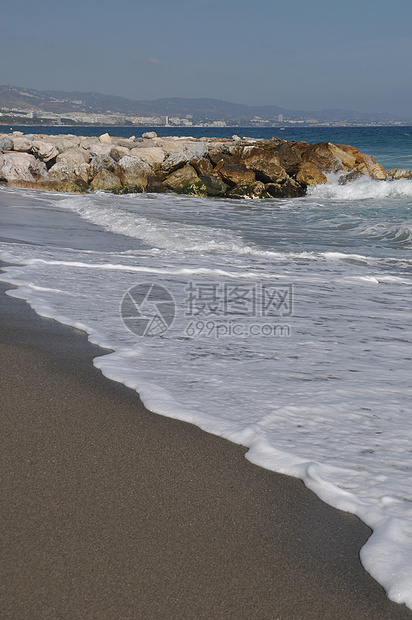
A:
(112, 512)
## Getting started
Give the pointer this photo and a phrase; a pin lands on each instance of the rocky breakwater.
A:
(231, 167)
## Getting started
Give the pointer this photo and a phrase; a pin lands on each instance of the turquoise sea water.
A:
(291, 325)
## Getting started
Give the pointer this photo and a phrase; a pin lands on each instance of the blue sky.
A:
(298, 54)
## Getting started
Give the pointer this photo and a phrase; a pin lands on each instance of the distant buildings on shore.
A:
(39, 117)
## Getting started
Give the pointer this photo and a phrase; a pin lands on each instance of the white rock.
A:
(105, 138)
(74, 156)
(152, 155)
(21, 167)
(183, 156)
(6, 143)
(69, 173)
(22, 144)
(44, 150)
(133, 172)
(95, 148)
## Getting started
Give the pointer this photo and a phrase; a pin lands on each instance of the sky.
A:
(297, 54)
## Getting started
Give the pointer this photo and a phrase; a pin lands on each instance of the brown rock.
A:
(322, 157)
(105, 180)
(186, 181)
(133, 173)
(251, 190)
(221, 151)
(155, 185)
(202, 165)
(378, 172)
(363, 159)
(265, 164)
(289, 189)
(68, 173)
(117, 152)
(309, 174)
(214, 186)
(342, 155)
(237, 174)
(51, 186)
(101, 162)
(289, 156)
(400, 173)
(185, 155)
(153, 155)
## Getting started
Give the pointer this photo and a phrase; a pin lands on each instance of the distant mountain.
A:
(61, 102)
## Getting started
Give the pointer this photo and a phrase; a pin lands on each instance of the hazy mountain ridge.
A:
(214, 109)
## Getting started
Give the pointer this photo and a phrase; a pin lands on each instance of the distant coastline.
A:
(30, 107)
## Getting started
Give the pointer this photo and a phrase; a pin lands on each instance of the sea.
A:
(284, 325)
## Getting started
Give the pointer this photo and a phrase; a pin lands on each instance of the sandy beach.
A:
(112, 512)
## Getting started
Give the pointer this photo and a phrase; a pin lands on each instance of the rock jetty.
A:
(231, 167)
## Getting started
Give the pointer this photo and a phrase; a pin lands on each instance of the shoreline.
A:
(113, 511)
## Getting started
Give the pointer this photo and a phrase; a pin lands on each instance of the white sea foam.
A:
(361, 189)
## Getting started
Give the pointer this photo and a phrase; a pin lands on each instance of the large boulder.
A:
(236, 174)
(214, 186)
(22, 167)
(75, 156)
(133, 173)
(184, 156)
(46, 151)
(185, 181)
(400, 173)
(65, 143)
(322, 156)
(309, 174)
(289, 189)
(221, 151)
(105, 138)
(107, 181)
(366, 164)
(101, 162)
(289, 156)
(346, 158)
(69, 174)
(118, 152)
(202, 165)
(6, 143)
(22, 144)
(378, 172)
(264, 164)
(152, 155)
(96, 148)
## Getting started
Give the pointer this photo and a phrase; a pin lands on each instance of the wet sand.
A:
(112, 512)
